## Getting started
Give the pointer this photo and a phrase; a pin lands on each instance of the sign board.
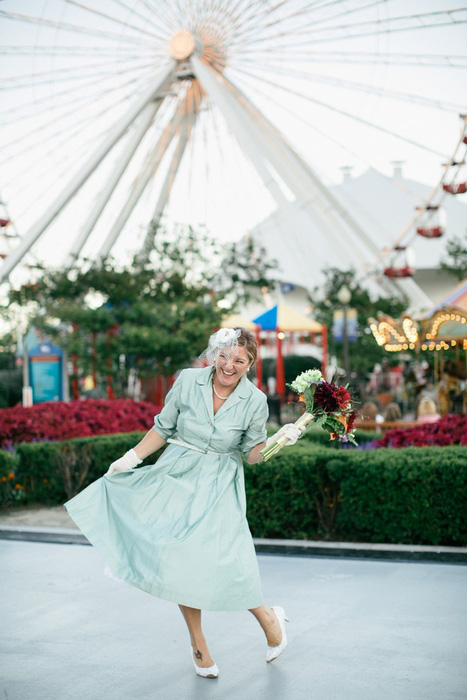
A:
(338, 325)
(45, 373)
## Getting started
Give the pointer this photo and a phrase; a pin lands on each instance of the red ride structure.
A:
(432, 224)
(402, 263)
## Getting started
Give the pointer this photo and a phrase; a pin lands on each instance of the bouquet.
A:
(327, 406)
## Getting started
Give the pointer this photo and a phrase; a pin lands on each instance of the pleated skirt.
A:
(176, 529)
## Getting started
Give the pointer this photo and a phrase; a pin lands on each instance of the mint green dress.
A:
(177, 529)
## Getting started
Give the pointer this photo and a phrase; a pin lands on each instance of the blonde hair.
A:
(248, 340)
(426, 407)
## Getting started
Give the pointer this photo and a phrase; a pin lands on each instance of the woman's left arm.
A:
(254, 437)
(254, 455)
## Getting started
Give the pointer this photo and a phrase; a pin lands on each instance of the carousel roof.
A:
(456, 298)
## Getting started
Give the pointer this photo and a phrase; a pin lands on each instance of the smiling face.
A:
(230, 367)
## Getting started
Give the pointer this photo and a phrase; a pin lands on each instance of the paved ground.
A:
(366, 630)
(40, 516)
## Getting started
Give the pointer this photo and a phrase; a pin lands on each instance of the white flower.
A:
(226, 335)
(303, 381)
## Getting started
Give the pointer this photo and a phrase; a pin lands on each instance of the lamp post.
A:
(343, 297)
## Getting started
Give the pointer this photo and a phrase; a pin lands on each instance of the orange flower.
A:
(3, 479)
(11, 475)
(17, 486)
(341, 419)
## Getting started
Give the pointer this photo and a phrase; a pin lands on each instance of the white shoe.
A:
(274, 652)
(210, 672)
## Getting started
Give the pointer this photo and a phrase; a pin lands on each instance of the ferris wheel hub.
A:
(181, 45)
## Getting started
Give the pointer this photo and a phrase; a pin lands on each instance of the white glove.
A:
(290, 431)
(124, 464)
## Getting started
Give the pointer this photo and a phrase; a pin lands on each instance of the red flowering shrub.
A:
(62, 421)
(450, 430)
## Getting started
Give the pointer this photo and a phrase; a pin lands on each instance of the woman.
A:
(177, 529)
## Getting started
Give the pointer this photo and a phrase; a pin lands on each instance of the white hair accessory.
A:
(224, 340)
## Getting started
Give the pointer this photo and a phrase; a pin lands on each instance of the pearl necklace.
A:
(222, 398)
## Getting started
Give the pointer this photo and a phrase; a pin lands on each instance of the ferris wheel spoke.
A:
(80, 29)
(376, 90)
(79, 152)
(100, 78)
(75, 51)
(349, 115)
(64, 74)
(147, 19)
(315, 8)
(401, 59)
(45, 101)
(343, 145)
(52, 124)
(369, 28)
(88, 100)
(170, 21)
(95, 11)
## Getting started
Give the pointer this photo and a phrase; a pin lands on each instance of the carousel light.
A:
(412, 346)
(438, 347)
(423, 347)
(453, 342)
(428, 335)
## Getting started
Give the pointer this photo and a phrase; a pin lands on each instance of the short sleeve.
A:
(256, 431)
(165, 423)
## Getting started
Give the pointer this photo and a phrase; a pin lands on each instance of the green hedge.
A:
(9, 492)
(53, 472)
(412, 495)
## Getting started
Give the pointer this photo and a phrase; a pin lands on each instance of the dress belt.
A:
(182, 443)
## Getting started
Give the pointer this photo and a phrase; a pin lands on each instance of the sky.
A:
(342, 80)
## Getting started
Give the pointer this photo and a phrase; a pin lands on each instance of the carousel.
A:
(441, 330)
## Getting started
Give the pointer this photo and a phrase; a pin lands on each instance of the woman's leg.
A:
(267, 618)
(198, 642)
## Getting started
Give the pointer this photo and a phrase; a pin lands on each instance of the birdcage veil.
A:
(224, 340)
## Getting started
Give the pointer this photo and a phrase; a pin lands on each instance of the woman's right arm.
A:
(164, 426)
(151, 442)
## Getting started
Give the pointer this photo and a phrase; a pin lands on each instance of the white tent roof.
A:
(382, 206)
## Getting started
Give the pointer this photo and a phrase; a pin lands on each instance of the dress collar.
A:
(241, 391)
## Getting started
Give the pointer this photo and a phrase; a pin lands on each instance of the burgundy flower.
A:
(325, 397)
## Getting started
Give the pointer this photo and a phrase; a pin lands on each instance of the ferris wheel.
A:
(217, 112)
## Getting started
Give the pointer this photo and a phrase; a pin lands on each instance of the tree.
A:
(456, 261)
(365, 352)
(152, 317)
